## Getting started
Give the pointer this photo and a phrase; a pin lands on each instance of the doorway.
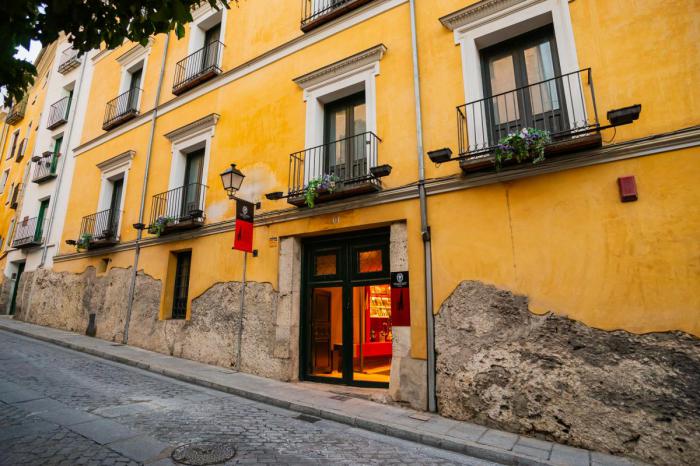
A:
(346, 333)
(15, 288)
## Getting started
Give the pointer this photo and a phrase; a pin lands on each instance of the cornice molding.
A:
(651, 145)
(193, 128)
(116, 161)
(135, 52)
(346, 65)
(475, 12)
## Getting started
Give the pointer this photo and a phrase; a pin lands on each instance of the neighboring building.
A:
(19, 145)
(333, 102)
(47, 180)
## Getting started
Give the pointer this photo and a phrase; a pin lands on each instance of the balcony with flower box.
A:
(544, 119)
(335, 170)
(178, 209)
(45, 167)
(99, 230)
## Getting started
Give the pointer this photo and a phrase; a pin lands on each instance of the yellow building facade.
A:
(18, 146)
(603, 233)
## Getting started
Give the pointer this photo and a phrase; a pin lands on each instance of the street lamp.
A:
(232, 180)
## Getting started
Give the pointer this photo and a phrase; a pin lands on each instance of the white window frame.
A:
(187, 139)
(15, 137)
(507, 19)
(130, 61)
(5, 176)
(203, 18)
(117, 167)
(341, 79)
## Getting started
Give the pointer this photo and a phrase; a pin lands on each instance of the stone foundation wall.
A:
(552, 377)
(65, 300)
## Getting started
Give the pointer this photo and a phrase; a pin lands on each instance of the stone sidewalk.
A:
(425, 428)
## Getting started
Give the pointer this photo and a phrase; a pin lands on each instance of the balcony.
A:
(121, 109)
(348, 162)
(69, 61)
(563, 106)
(29, 233)
(100, 229)
(58, 113)
(16, 113)
(15, 196)
(198, 67)
(314, 13)
(45, 168)
(178, 209)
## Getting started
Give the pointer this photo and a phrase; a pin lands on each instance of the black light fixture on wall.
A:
(232, 179)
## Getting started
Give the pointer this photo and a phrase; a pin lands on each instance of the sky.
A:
(31, 54)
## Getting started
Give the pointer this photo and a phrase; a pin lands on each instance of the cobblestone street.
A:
(58, 406)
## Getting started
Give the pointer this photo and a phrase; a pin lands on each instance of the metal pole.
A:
(240, 316)
(425, 228)
(139, 233)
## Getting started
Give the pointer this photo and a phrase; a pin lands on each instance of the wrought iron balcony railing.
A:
(178, 209)
(317, 12)
(198, 67)
(58, 114)
(16, 113)
(29, 232)
(45, 167)
(121, 109)
(563, 106)
(69, 60)
(346, 162)
(100, 229)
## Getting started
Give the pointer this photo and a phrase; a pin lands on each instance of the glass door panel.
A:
(191, 190)
(372, 333)
(326, 332)
(114, 206)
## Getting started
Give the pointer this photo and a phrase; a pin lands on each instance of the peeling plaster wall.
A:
(549, 376)
(65, 300)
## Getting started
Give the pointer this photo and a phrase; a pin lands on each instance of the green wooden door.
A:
(39, 232)
(56, 152)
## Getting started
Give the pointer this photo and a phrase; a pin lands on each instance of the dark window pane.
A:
(182, 283)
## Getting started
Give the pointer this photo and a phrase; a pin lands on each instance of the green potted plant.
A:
(83, 242)
(527, 144)
(317, 186)
(158, 227)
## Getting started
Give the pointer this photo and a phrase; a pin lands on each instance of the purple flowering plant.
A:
(327, 182)
(527, 144)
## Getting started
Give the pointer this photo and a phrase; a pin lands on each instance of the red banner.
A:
(243, 240)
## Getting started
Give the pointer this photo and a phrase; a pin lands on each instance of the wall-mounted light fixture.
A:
(232, 179)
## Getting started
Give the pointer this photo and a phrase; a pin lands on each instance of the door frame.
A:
(347, 277)
(15, 288)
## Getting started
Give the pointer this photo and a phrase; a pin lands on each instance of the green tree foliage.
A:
(89, 24)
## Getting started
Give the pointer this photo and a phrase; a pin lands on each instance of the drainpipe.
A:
(424, 227)
(139, 233)
(45, 248)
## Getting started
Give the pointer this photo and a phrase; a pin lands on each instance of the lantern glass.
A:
(232, 179)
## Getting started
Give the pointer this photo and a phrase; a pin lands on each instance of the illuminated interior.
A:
(372, 333)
